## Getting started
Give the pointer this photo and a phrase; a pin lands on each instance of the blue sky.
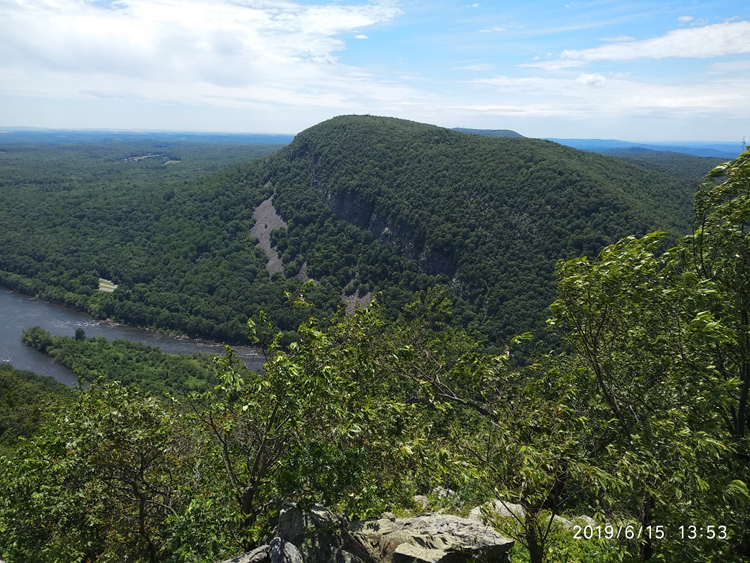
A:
(639, 70)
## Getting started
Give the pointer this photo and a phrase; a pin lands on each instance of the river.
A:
(19, 312)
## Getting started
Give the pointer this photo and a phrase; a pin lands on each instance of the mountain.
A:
(488, 217)
(616, 147)
(25, 135)
(367, 206)
(695, 148)
(676, 164)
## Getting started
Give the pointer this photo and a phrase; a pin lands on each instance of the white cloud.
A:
(186, 51)
(512, 85)
(685, 19)
(495, 29)
(620, 39)
(702, 42)
(731, 66)
(591, 79)
(361, 36)
(477, 67)
(611, 97)
(555, 64)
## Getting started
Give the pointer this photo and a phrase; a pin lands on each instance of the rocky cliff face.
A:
(354, 209)
(351, 208)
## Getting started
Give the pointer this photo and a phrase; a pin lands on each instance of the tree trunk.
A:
(741, 423)
(536, 549)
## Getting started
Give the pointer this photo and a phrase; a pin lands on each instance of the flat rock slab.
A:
(432, 539)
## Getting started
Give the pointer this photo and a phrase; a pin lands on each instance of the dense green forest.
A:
(373, 206)
(23, 398)
(151, 214)
(640, 420)
(128, 362)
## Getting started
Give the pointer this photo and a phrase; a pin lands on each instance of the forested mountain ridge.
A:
(77, 210)
(706, 149)
(487, 216)
(678, 165)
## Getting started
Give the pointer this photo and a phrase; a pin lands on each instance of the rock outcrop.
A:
(266, 220)
(317, 535)
(502, 508)
(432, 538)
(351, 208)
(321, 535)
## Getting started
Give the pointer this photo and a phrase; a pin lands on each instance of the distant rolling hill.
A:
(615, 147)
(20, 135)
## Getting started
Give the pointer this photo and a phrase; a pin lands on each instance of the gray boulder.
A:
(284, 552)
(317, 535)
(432, 539)
(421, 501)
(258, 555)
(503, 508)
(443, 493)
(506, 509)
(320, 535)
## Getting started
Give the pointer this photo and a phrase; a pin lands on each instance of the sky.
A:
(642, 70)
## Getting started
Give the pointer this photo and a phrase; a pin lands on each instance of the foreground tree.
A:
(665, 349)
(100, 480)
(324, 422)
(520, 436)
(718, 256)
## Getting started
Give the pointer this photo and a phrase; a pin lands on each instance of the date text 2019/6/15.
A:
(629, 532)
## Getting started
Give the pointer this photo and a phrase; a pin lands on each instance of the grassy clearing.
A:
(106, 285)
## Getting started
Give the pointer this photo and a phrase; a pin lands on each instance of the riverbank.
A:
(21, 312)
